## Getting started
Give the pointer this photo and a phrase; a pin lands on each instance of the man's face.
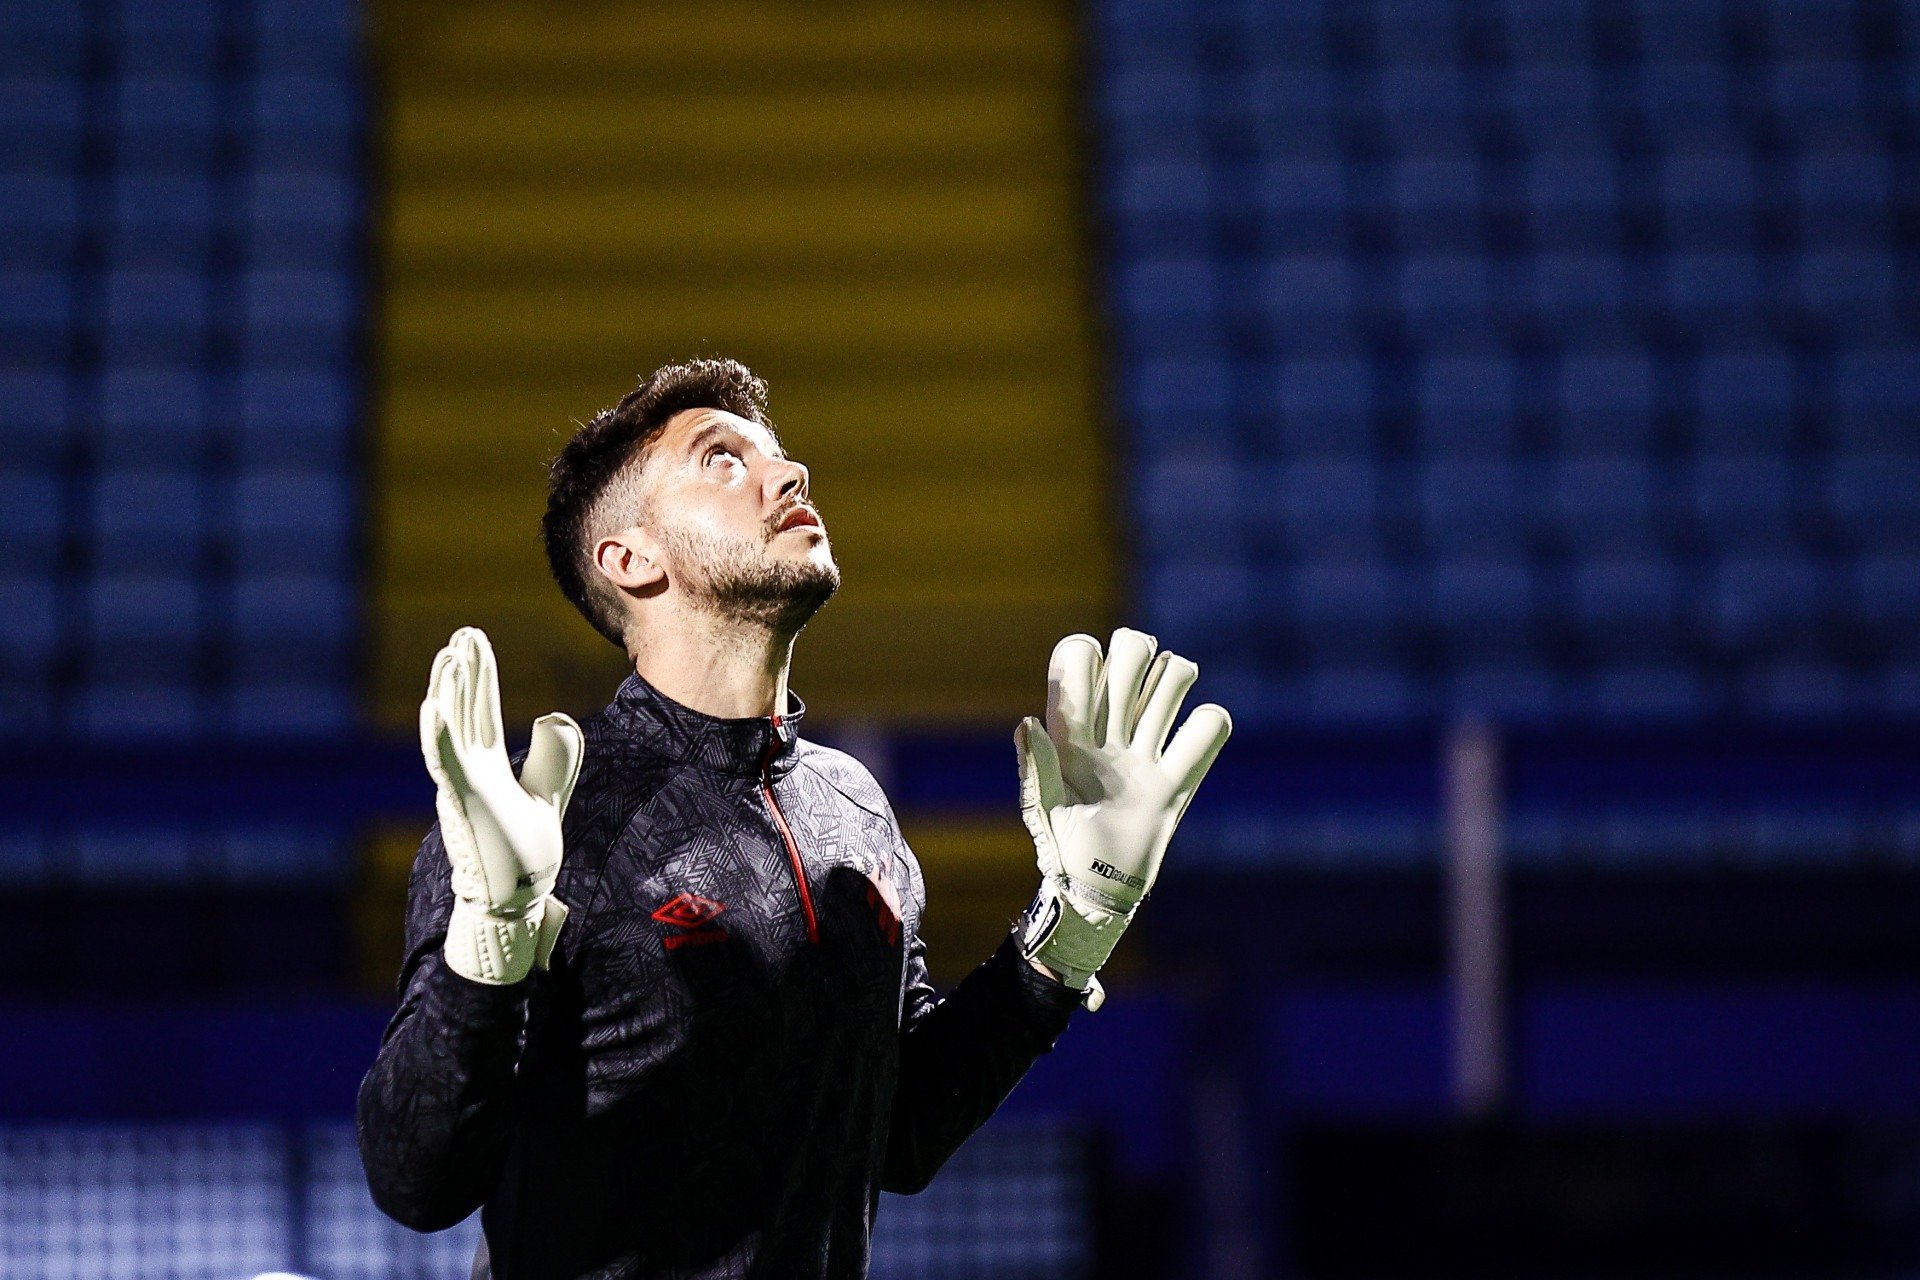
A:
(720, 490)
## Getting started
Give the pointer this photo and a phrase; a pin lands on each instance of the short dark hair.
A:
(592, 485)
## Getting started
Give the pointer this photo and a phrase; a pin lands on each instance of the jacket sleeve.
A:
(437, 1108)
(961, 1056)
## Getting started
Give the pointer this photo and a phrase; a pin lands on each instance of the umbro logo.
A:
(691, 912)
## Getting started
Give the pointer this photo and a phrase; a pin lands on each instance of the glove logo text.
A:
(1112, 872)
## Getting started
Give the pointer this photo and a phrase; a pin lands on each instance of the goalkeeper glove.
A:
(502, 833)
(1100, 797)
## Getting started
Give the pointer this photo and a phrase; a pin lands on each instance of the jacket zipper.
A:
(780, 821)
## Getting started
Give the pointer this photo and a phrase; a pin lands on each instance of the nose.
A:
(790, 477)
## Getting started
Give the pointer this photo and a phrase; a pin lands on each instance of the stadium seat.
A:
(142, 515)
(172, 120)
(40, 121)
(39, 222)
(153, 413)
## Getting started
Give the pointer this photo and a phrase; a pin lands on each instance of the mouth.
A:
(799, 518)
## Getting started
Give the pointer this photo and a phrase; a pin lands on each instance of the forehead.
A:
(690, 427)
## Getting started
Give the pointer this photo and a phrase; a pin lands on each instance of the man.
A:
(664, 1009)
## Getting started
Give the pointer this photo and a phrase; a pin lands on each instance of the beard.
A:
(742, 582)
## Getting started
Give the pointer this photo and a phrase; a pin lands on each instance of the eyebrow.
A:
(713, 429)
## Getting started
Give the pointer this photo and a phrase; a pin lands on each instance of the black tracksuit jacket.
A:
(736, 1048)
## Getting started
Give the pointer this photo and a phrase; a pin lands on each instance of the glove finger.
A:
(1195, 747)
(486, 691)
(1170, 678)
(1128, 655)
(553, 759)
(1073, 689)
(454, 701)
(1039, 776)
(430, 721)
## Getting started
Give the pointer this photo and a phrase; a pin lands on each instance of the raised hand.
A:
(502, 833)
(1102, 790)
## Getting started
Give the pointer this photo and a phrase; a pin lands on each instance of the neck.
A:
(716, 666)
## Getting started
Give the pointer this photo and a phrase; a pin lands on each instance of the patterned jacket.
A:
(736, 1048)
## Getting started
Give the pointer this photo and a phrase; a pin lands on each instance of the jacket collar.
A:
(643, 714)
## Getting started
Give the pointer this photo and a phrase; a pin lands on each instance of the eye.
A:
(719, 448)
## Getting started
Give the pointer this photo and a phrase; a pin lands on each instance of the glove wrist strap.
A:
(500, 951)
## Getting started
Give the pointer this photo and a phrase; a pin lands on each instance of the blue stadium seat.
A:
(1879, 399)
(1885, 595)
(1603, 501)
(1324, 404)
(1307, 297)
(1443, 294)
(1293, 104)
(1644, 692)
(281, 711)
(134, 607)
(1422, 106)
(30, 520)
(36, 313)
(1627, 602)
(1577, 287)
(1688, 94)
(173, 120)
(293, 606)
(1319, 505)
(1743, 501)
(1708, 284)
(300, 217)
(1198, 595)
(1746, 399)
(1188, 504)
(1813, 91)
(156, 315)
(40, 122)
(29, 620)
(1485, 601)
(305, 116)
(1707, 198)
(297, 314)
(138, 854)
(1348, 694)
(1470, 503)
(1510, 692)
(1551, 105)
(1342, 603)
(294, 415)
(1574, 197)
(149, 514)
(162, 215)
(1161, 190)
(1761, 599)
(1800, 689)
(1152, 289)
(155, 413)
(39, 222)
(1196, 393)
(1875, 498)
(1607, 401)
(1466, 404)
(1302, 199)
(1844, 286)
(33, 415)
(170, 35)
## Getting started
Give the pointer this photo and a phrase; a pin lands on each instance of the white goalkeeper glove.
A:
(1100, 797)
(502, 833)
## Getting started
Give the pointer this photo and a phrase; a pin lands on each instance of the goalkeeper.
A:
(664, 1007)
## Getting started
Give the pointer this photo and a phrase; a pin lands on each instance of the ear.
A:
(629, 558)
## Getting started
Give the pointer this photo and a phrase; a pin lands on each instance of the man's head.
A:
(683, 489)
